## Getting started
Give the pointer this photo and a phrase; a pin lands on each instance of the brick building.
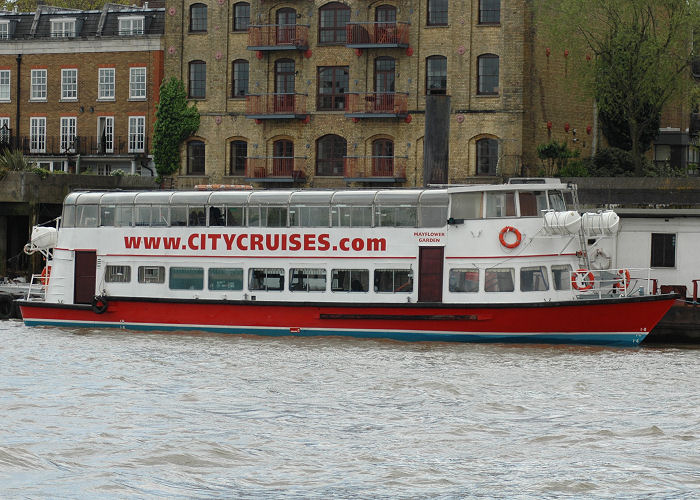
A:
(78, 88)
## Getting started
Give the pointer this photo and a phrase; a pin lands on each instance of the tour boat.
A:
(487, 263)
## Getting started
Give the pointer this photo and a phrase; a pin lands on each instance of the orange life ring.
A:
(45, 275)
(623, 279)
(506, 230)
(587, 279)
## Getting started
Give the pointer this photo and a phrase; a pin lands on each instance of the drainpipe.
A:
(19, 80)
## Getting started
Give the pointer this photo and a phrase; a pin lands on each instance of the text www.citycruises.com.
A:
(255, 241)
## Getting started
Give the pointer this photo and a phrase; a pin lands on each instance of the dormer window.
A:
(131, 25)
(63, 27)
(4, 29)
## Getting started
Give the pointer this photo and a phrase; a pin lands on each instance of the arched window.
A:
(198, 17)
(332, 19)
(486, 156)
(241, 16)
(384, 79)
(436, 75)
(239, 157)
(487, 65)
(437, 12)
(489, 11)
(198, 80)
(286, 25)
(333, 84)
(283, 158)
(239, 70)
(383, 158)
(330, 154)
(385, 14)
(195, 157)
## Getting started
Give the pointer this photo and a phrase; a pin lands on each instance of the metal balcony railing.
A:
(375, 168)
(82, 145)
(376, 35)
(275, 106)
(276, 169)
(267, 37)
(376, 105)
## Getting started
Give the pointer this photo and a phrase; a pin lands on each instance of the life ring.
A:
(99, 304)
(623, 279)
(506, 230)
(45, 275)
(582, 279)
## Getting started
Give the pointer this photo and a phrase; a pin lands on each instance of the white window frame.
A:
(37, 134)
(69, 84)
(39, 80)
(5, 136)
(131, 25)
(5, 85)
(137, 134)
(109, 132)
(69, 130)
(137, 83)
(63, 27)
(106, 78)
(4, 30)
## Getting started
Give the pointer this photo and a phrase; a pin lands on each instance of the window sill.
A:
(72, 99)
(105, 99)
(34, 100)
(488, 96)
(137, 99)
(429, 26)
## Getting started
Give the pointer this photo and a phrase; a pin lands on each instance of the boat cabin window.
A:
(87, 215)
(186, 278)
(350, 280)
(561, 277)
(397, 216)
(393, 280)
(68, 217)
(307, 280)
(217, 216)
(556, 201)
(351, 216)
(533, 279)
(151, 274)
(118, 274)
(466, 205)
(196, 216)
(269, 279)
(464, 280)
(267, 216)
(532, 203)
(124, 216)
(303, 216)
(107, 215)
(499, 280)
(433, 216)
(160, 215)
(500, 204)
(226, 278)
(178, 215)
(235, 216)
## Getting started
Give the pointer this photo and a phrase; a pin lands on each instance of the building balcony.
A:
(377, 105)
(387, 169)
(279, 106)
(275, 169)
(82, 145)
(269, 37)
(376, 35)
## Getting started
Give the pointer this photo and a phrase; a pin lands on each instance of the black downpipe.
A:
(19, 86)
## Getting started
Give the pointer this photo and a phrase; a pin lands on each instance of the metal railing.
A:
(276, 36)
(82, 145)
(275, 104)
(377, 103)
(276, 167)
(369, 34)
(366, 167)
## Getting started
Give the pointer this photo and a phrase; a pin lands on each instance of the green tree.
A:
(175, 122)
(643, 51)
(30, 5)
(555, 156)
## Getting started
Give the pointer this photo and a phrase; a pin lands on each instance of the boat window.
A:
(124, 216)
(561, 277)
(68, 218)
(142, 215)
(217, 216)
(226, 278)
(432, 216)
(532, 203)
(186, 278)
(118, 274)
(466, 205)
(464, 280)
(160, 215)
(267, 216)
(301, 216)
(196, 216)
(556, 201)
(533, 279)
(107, 215)
(398, 216)
(178, 215)
(151, 274)
(393, 280)
(499, 280)
(270, 279)
(500, 204)
(307, 280)
(351, 216)
(87, 215)
(235, 216)
(349, 280)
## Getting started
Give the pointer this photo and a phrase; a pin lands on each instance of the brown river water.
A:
(113, 414)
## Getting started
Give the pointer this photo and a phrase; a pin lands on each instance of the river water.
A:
(104, 413)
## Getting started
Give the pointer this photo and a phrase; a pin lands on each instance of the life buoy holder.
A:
(506, 230)
(582, 279)
(45, 275)
(623, 279)
(99, 304)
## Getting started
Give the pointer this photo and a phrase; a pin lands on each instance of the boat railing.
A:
(37, 287)
(605, 283)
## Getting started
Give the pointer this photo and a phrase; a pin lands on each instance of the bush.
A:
(611, 162)
(575, 168)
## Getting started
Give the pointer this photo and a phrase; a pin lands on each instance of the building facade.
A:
(78, 88)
